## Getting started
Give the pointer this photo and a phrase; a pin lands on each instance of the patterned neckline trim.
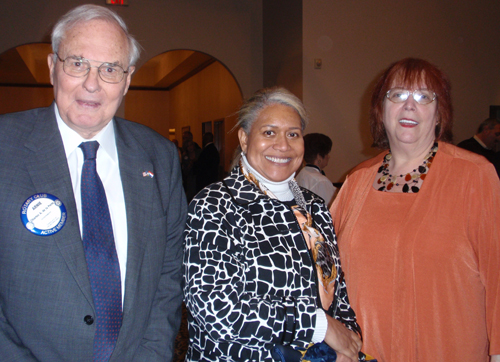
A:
(408, 183)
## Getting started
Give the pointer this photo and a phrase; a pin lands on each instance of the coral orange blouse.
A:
(423, 270)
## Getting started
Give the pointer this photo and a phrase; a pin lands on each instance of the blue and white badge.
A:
(43, 214)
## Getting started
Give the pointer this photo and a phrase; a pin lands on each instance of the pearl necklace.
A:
(410, 183)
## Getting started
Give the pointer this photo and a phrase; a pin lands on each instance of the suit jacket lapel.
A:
(138, 189)
(49, 172)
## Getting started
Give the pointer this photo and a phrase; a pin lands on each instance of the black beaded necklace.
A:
(409, 183)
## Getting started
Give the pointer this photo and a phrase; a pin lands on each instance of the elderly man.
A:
(484, 141)
(92, 212)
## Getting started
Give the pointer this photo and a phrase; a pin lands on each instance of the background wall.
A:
(230, 31)
(14, 99)
(211, 95)
(357, 40)
(282, 44)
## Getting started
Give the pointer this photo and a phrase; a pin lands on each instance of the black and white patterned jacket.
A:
(246, 261)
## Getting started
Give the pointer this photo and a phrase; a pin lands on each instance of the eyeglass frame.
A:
(412, 93)
(92, 66)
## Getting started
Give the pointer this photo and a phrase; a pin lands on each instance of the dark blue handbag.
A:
(282, 353)
(319, 352)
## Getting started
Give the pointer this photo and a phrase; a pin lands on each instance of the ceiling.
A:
(26, 65)
(167, 70)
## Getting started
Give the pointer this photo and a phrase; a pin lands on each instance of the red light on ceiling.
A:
(117, 2)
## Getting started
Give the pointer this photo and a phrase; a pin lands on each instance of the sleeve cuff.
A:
(321, 326)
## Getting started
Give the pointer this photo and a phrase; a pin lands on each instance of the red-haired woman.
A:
(419, 229)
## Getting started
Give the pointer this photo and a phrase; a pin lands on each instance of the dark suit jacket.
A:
(44, 286)
(206, 167)
(472, 145)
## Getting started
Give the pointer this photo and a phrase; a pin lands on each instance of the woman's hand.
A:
(342, 358)
(344, 341)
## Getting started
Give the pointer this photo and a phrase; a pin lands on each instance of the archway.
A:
(186, 90)
(24, 78)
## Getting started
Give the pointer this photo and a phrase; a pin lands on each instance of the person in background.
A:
(317, 148)
(187, 139)
(176, 143)
(419, 229)
(206, 168)
(190, 153)
(92, 211)
(484, 142)
(262, 272)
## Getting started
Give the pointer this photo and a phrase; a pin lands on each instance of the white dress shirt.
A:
(109, 172)
(312, 179)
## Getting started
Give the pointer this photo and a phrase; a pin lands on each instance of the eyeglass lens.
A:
(77, 67)
(398, 95)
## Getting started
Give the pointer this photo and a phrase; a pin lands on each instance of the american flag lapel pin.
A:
(148, 174)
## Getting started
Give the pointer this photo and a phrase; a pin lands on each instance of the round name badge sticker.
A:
(43, 214)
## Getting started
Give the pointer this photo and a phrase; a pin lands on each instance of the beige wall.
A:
(149, 108)
(357, 40)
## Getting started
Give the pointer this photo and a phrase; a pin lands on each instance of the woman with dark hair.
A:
(419, 229)
(262, 275)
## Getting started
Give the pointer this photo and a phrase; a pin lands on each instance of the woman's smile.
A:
(274, 147)
(278, 159)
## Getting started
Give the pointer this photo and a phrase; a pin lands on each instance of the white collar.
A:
(280, 189)
(313, 167)
(480, 142)
(71, 139)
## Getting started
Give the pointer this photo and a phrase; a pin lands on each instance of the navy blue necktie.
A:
(100, 253)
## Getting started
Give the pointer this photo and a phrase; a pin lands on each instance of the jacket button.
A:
(88, 319)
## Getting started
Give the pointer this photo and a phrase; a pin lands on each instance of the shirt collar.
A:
(480, 142)
(71, 139)
(313, 166)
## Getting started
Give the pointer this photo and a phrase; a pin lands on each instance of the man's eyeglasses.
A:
(79, 67)
(399, 95)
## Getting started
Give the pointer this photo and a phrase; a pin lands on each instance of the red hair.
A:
(411, 72)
